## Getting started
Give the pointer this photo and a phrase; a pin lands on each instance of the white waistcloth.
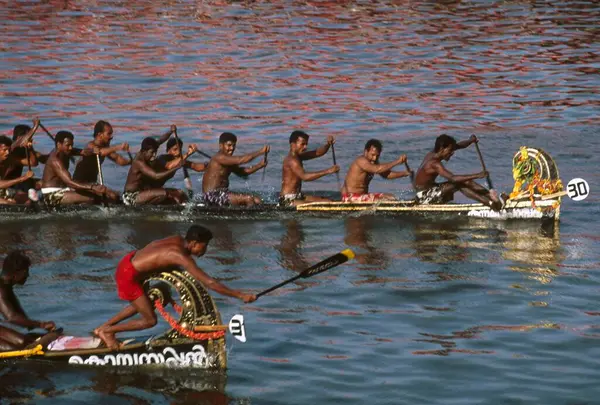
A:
(49, 190)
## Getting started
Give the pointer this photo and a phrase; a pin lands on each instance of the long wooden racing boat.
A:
(196, 339)
(536, 195)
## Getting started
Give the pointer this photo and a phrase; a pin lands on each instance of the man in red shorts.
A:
(362, 170)
(158, 256)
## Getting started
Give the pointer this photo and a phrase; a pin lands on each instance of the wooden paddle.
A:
(101, 179)
(186, 174)
(412, 175)
(487, 178)
(337, 174)
(330, 262)
(265, 168)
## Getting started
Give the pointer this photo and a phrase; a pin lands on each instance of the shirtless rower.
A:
(18, 161)
(58, 188)
(140, 187)
(430, 192)
(9, 195)
(86, 170)
(215, 183)
(293, 170)
(362, 170)
(171, 159)
(15, 271)
(162, 255)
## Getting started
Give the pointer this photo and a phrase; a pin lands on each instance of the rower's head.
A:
(197, 239)
(372, 150)
(149, 148)
(64, 142)
(5, 144)
(445, 146)
(20, 130)
(15, 268)
(103, 132)
(174, 146)
(299, 141)
(227, 142)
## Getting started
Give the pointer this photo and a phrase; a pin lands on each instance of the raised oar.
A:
(330, 262)
(265, 168)
(101, 179)
(337, 174)
(412, 175)
(487, 178)
(72, 159)
(186, 174)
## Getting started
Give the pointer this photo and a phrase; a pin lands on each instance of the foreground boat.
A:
(196, 339)
(536, 195)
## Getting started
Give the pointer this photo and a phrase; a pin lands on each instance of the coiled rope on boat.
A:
(184, 331)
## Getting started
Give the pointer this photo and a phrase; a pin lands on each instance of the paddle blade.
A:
(237, 327)
(328, 263)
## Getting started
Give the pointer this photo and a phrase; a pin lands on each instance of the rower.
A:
(215, 183)
(86, 170)
(293, 170)
(140, 187)
(58, 188)
(162, 255)
(430, 192)
(362, 170)
(15, 271)
(24, 156)
(171, 159)
(8, 194)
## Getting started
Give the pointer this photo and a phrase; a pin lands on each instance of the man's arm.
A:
(442, 171)
(150, 173)
(10, 183)
(191, 267)
(298, 171)
(369, 167)
(390, 175)
(225, 160)
(165, 137)
(13, 312)
(41, 157)
(65, 177)
(25, 139)
(466, 143)
(33, 161)
(319, 151)
(245, 171)
(198, 167)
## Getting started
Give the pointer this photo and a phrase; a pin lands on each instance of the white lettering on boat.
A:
(196, 358)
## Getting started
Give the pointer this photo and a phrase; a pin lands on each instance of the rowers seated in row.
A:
(86, 170)
(430, 192)
(215, 183)
(15, 271)
(58, 188)
(362, 170)
(140, 187)
(294, 174)
(171, 159)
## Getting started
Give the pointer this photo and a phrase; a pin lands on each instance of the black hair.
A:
(62, 135)
(20, 130)
(227, 137)
(198, 233)
(149, 143)
(5, 140)
(15, 262)
(373, 143)
(99, 127)
(298, 134)
(444, 141)
(172, 141)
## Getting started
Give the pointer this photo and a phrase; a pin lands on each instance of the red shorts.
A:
(128, 287)
(362, 198)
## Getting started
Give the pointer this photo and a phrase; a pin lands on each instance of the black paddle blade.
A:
(327, 264)
(320, 267)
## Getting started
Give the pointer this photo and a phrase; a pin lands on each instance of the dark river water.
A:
(432, 310)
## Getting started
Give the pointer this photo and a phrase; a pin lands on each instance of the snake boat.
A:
(196, 339)
(536, 194)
